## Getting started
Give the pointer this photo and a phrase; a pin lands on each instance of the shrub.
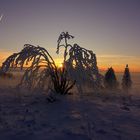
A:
(79, 64)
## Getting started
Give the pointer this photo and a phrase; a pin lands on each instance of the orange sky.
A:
(110, 28)
(118, 62)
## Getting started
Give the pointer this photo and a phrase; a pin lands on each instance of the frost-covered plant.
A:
(126, 80)
(110, 80)
(42, 73)
(80, 63)
(64, 36)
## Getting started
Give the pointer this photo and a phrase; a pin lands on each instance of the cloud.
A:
(1, 17)
(120, 58)
(116, 56)
(118, 62)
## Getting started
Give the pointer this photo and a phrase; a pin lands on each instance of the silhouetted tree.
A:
(110, 80)
(126, 80)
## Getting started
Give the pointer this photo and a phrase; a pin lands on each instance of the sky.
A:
(111, 28)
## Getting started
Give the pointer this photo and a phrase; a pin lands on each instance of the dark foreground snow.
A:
(32, 117)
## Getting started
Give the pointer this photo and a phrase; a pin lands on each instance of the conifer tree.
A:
(126, 80)
(110, 80)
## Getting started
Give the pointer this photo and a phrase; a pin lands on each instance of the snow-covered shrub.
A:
(43, 72)
(110, 80)
(80, 63)
(126, 80)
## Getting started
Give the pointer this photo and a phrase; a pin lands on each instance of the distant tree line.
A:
(110, 80)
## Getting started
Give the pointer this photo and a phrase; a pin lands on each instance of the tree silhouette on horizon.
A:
(126, 80)
(110, 80)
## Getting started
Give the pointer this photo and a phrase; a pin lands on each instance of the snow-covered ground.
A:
(92, 116)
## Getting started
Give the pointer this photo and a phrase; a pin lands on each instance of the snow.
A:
(28, 115)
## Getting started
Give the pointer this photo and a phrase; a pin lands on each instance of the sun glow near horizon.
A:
(118, 62)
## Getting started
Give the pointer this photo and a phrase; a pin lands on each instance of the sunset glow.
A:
(110, 29)
(104, 62)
